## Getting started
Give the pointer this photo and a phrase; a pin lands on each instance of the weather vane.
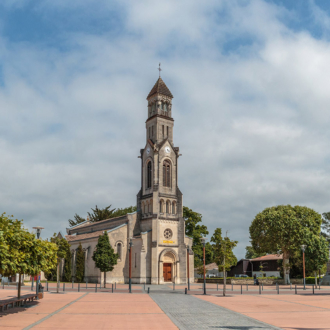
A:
(159, 69)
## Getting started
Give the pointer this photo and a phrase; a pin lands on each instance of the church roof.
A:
(160, 88)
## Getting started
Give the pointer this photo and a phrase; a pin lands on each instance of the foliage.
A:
(223, 250)
(80, 264)
(21, 252)
(200, 270)
(252, 254)
(196, 231)
(104, 256)
(101, 214)
(285, 228)
(325, 227)
(67, 274)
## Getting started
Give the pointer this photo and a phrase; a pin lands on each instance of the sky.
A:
(250, 80)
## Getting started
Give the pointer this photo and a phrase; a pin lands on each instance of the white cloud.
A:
(251, 118)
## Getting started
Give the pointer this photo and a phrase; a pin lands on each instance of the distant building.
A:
(211, 270)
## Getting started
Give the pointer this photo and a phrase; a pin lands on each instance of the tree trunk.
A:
(315, 278)
(224, 281)
(286, 268)
(105, 278)
(58, 277)
(19, 286)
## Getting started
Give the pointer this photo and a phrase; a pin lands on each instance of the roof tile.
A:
(160, 88)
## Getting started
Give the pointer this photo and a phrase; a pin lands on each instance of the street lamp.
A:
(130, 264)
(303, 247)
(188, 268)
(38, 231)
(203, 240)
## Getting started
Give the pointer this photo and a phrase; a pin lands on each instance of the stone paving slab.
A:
(189, 313)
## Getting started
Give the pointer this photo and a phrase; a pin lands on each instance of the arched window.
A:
(168, 206)
(149, 175)
(119, 249)
(166, 174)
(173, 208)
(161, 206)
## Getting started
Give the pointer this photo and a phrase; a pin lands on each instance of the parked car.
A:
(241, 275)
(211, 275)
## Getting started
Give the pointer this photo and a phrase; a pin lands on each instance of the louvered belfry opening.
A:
(149, 175)
(166, 174)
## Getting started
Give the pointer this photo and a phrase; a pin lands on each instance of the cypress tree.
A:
(67, 266)
(104, 256)
(80, 264)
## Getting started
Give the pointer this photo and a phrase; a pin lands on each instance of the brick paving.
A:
(189, 313)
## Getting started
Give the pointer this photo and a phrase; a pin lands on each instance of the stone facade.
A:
(159, 252)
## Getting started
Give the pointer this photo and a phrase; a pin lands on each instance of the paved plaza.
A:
(165, 308)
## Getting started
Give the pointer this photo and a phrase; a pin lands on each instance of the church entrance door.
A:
(167, 272)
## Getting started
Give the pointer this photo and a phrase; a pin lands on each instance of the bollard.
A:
(259, 289)
(278, 289)
(295, 289)
(232, 287)
(47, 285)
(290, 286)
(37, 289)
(112, 287)
(148, 289)
(247, 287)
(313, 289)
(241, 289)
(78, 287)
(262, 286)
(63, 286)
(95, 287)
(185, 291)
(217, 286)
(72, 284)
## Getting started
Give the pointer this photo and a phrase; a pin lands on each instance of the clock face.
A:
(148, 151)
(167, 150)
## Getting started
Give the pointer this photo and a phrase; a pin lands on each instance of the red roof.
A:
(269, 257)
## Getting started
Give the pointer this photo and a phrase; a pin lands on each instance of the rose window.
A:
(168, 233)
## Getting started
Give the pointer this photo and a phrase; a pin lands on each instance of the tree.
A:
(101, 214)
(325, 227)
(104, 256)
(68, 265)
(252, 254)
(62, 249)
(223, 253)
(22, 252)
(196, 231)
(80, 264)
(284, 229)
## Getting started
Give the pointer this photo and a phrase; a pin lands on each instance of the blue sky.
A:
(251, 105)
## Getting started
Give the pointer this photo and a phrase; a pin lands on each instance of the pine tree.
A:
(67, 266)
(80, 264)
(104, 256)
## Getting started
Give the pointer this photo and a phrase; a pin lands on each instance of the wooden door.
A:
(167, 272)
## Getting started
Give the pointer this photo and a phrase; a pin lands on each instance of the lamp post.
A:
(203, 239)
(188, 277)
(38, 231)
(130, 264)
(303, 247)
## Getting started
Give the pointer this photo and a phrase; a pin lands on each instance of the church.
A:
(160, 250)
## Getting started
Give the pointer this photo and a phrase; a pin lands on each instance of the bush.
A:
(311, 280)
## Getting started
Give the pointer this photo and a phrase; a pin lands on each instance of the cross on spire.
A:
(159, 69)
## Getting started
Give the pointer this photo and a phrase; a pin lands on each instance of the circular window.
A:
(168, 233)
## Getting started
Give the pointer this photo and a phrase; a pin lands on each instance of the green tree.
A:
(104, 256)
(325, 227)
(196, 231)
(80, 264)
(101, 214)
(252, 254)
(223, 253)
(68, 265)
(284, 229)
(22, 252)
